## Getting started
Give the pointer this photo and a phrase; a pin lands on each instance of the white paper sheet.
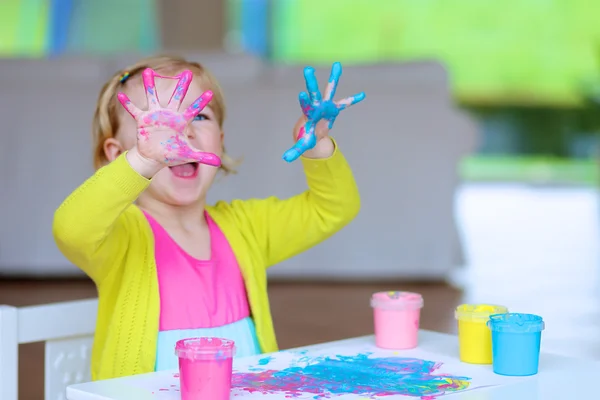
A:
(354, 372)
(161, 386)
(359, 372)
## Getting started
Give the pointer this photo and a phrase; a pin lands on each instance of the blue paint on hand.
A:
(312, 85)
(307, 139)
(316, 107)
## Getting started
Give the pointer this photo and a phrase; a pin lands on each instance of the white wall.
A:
(403, 142)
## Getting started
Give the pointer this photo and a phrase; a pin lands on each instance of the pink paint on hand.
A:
(208, 159)
(205, 368)
(166, 118)
(176, 149)
(128, 105)
(198, 105)
(301, 133)
(144, 134)
(183, 84)
(148, 79)
(306, 104)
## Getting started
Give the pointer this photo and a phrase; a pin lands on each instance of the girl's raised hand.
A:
(317, 108)
(161, 132)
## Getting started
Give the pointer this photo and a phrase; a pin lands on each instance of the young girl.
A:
(167, 265)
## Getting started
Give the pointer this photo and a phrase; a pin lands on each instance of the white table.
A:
(559, 377)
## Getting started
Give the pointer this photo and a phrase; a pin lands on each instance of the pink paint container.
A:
(205, 367)
(397, 316)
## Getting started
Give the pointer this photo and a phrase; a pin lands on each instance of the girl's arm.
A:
(91, 227)
(285, 228)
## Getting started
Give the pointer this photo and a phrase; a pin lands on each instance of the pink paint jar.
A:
(397, 316)
(205, 367)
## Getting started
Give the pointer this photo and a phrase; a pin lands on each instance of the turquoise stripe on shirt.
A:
(242, 332)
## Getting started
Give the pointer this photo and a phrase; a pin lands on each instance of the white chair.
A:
(67, 330)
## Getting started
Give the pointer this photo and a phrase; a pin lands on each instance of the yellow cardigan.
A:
(99, 229)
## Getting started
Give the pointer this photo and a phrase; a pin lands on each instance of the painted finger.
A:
(179, 149)
(128, 105)
(305, 103)
(306, 141)
(207, 158)
(350, 101)
(331, 121)
(198, 105)
(312, 85)
(149, 85)
(183, 84)
(334, 78)
(189, 152)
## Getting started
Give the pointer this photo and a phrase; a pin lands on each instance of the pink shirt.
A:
(198, 293)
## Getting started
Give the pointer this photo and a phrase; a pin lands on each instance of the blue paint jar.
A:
(516, 342)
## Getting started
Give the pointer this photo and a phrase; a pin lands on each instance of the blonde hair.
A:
(106, 121)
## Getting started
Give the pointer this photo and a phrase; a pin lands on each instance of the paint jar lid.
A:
(516, 323)
(397, 300)
(205, 348)
(478, 312)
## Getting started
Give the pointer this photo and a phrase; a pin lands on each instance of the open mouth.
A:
(185, 171)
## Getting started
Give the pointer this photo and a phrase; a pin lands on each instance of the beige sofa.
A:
(403, 142)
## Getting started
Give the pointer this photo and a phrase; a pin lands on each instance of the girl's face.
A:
(181, 185)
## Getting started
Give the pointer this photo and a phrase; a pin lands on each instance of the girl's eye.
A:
(200, 117)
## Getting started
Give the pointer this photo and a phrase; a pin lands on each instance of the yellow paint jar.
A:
(474, 337)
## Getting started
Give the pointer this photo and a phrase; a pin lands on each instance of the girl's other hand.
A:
(319, 113)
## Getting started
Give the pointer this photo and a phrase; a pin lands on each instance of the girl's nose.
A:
(189, 132)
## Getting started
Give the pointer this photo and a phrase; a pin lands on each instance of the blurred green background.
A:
(529, 70)
(512, 51)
